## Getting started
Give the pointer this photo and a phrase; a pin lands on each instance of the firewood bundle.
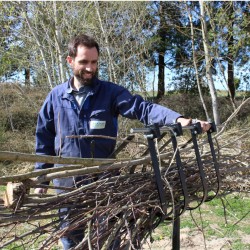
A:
(116, 201)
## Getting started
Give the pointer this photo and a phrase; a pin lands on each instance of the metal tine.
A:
(176, 130)
(158, 179)
(132, 168)
(194, 132)
(216, 165)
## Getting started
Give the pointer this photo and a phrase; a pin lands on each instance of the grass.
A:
(216, 221)
(2, 188)
(34, 242)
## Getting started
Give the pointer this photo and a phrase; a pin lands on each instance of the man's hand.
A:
(186, 122)
(40, 190)
(204, 125)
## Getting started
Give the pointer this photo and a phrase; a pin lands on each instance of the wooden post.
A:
(13, 194)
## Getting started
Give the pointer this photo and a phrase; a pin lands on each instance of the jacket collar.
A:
(68, 91)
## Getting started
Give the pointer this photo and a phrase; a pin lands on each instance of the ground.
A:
(193, 240)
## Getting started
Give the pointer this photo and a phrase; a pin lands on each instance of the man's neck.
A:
(76, 84)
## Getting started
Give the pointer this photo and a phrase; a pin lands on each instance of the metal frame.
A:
(153, 132)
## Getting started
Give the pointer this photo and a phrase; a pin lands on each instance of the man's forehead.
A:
(85, 52)
(85, 48)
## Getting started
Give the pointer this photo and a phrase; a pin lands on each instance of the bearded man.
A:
(86, 105)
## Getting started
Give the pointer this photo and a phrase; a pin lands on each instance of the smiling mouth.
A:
(88, 74)
(85, 73)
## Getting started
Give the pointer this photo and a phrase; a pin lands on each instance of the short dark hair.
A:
(82, 40)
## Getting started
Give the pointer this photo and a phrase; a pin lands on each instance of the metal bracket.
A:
(153, 133)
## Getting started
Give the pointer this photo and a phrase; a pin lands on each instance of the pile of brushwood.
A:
(118, 199)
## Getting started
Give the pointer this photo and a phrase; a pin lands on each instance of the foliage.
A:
(131, 37)
(20, 105)
(137, 40)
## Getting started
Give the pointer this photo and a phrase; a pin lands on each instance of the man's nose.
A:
(89, 69)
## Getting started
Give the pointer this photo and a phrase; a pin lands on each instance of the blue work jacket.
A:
(61, 116)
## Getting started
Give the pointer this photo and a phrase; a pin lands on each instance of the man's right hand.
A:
(40, 190)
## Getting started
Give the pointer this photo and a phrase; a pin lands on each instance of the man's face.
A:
(84, 65)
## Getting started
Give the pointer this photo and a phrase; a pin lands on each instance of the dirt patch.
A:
(244, 238)
(194, 240)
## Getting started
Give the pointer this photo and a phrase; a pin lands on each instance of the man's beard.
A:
(81, 79)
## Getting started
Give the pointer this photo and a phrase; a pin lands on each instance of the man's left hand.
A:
(187, 122)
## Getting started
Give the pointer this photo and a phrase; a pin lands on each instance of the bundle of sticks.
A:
(116, 201)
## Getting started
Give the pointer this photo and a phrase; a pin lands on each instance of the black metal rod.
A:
(176, 231)
(181, 174)
(200, 166)
(216, 165)
(162, 129)
(155, 163)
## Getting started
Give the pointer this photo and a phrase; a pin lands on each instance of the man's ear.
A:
(69, 60)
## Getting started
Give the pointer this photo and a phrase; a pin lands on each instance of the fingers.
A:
(186, 122)
(205, 126)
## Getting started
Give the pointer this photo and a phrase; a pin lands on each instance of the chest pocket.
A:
(99, 120)
(65, 117)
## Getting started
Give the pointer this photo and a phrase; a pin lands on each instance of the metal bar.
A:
(162, 129)
(151, 135)
(155, 163)
(158, 139)
(198, 130)
(182, 205)
(132, 169)
(216, 165)
(176, 232)
(181, 174)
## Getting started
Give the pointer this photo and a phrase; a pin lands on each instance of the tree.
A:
(195, 61)
(229, 39)
(124, 43)
(46, 27)
(208, 60)
(10, 48)
(167, 49)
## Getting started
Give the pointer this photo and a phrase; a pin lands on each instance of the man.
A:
(85, 105)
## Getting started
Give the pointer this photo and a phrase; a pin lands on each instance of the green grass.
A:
(216, 221)
(238, 245)
(2, 189)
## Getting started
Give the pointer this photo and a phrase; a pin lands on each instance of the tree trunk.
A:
(43, 54)
(161, 54)
(208, 60)
(230, 80)
(196, 67)
(161, 77)
(112, 72)
(27, 76)
(230, 58)
(58, 38)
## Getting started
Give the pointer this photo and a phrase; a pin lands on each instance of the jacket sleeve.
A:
(45, 133)
(135, 107)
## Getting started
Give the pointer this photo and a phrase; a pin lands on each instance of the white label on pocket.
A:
(97, 124)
